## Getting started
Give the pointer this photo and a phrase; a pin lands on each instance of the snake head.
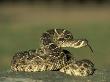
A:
(82, 43)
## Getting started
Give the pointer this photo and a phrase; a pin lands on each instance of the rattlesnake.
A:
(51, 55)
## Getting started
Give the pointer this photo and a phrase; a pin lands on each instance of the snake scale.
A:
(52, 57)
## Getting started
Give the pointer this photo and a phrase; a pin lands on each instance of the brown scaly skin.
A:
(50, 56)
(79, 68)
(30, 61)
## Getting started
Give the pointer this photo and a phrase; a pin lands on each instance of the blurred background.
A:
(23, 21)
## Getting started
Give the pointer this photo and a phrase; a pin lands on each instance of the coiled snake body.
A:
(51, 55)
